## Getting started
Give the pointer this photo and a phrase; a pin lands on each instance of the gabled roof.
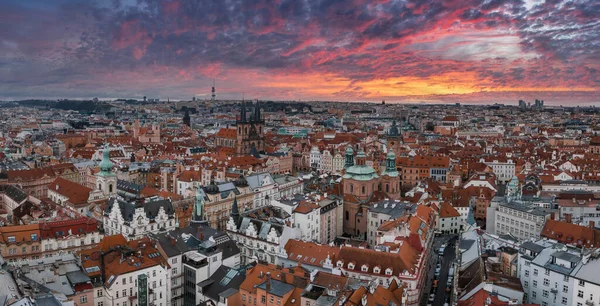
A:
(76, 193)
(448, 211)
(570, 233)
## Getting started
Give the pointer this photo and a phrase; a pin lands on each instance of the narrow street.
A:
(446, 260)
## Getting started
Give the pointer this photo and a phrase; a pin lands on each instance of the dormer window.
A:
(388, 271)
(376, 270)
(351, 266)
(365, 268)
(340, 263)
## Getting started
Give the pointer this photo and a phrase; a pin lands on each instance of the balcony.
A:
(589, 303)
(133, 297)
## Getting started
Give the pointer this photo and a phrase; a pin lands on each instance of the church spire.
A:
(235, 211)
(243, 111)
(257, 112)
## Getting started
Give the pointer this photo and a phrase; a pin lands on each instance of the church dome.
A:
(241, 182)
(106, 165)
(349, 150)
(212, 188)
(391, 155)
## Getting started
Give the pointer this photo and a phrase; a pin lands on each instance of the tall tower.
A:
(106, 179)
(250, 131)
(186, 117)
(198, 212)
(214, 95)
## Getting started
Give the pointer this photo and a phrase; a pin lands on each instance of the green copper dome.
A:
(106, 165)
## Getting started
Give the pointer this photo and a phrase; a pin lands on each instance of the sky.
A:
(447, 51)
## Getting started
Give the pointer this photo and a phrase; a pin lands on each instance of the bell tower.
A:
(106, 180)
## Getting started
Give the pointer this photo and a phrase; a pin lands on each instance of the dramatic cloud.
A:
(448, 50)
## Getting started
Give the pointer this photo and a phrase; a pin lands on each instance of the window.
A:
(527, 273)
(347, 215)
(566, 278)
(174, 271)
(546, 282)
(124, 281)
(565, 288)
(534, 283)
(244, 297)
(100, 303)
(99, 293)
(564, 300)
(263, 299)
(544, 304)
(535, 272)
(581, 283)
(545, 293)
(580, 293)
(124, 292)
(526, 284)
(34, 237)
(174, 260)
(547, 272)
(153, 273)
(533, 295)
(83, 299)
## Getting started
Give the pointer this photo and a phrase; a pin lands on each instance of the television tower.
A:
(213, 91)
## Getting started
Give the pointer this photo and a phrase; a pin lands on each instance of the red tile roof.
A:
(76, 193)
(61, 229)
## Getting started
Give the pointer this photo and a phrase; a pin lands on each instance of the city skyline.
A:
(397, 51)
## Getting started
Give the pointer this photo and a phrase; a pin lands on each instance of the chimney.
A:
(592, 224)
(268, 281)
(568, 218)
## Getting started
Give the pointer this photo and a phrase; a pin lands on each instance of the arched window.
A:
(364, 190)
(99, 186)
(387, 187)
(347, 215)
(110, 188)
(351, 188)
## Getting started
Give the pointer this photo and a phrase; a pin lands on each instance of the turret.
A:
(349, 157)
(390, 161)
(106, 165)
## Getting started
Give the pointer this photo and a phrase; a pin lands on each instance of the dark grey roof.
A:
(566, 256)
(532, 246)
(393, 208)
(47, 300)
(223, 283)
(150, 208)
(196, 238)
(277, 288)
(466, 244)
(77, 277)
